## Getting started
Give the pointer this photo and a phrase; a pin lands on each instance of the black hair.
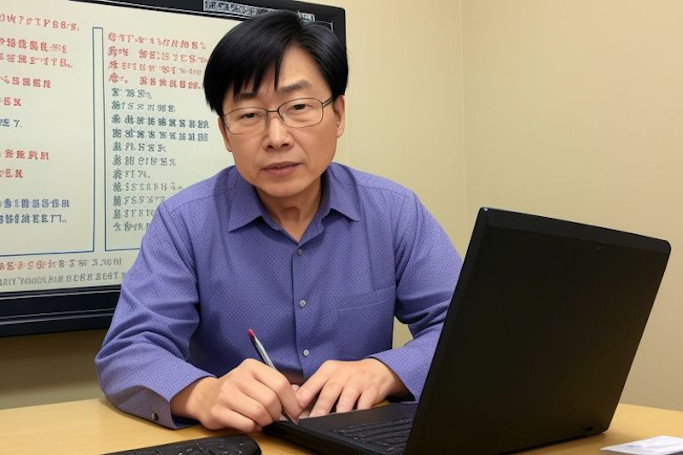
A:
(246, 53)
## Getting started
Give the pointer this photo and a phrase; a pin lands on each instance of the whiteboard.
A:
(102, 117)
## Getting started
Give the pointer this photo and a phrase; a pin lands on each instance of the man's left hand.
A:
(355, 384)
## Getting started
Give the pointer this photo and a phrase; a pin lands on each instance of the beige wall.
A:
(561, 108)
(405, 107)
(48, 368)
(574, 109)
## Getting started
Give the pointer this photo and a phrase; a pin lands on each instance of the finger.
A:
(245, 392)
(368, 398)
(222, 417)
(285, 394)
(348, 397)
(327, 398)
(309, 390)
(260, 402)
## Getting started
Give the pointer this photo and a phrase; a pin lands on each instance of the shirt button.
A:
(155, 417)
(302, 303)
(306, 352)
(300, 251)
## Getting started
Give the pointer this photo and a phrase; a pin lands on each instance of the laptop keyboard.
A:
(392, 435)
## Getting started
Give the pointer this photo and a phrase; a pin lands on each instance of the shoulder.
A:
(368, 186)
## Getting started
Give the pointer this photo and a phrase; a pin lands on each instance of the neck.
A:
(293, 213)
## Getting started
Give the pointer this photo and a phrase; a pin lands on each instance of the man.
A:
(315, 257)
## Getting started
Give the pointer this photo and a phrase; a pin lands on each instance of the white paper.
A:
(660, 445)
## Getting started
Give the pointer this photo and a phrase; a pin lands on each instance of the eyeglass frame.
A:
(323, 105)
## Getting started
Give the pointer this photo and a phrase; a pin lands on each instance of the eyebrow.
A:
(299, 85)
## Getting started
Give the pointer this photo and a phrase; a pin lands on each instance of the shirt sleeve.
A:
(143, 360)
(427, 269)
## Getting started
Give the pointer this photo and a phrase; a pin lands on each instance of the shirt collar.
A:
(337, 195)
(246, 206)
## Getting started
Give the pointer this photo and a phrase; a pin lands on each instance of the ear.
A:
(339, 108)
(224, 133)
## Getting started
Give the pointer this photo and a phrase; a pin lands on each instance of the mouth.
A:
(281, 165)
(280, 169)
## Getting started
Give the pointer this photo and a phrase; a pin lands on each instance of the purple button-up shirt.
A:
(213, 264)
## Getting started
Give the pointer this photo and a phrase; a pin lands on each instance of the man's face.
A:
(283, 163)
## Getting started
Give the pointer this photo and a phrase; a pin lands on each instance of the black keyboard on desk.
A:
(222, 445)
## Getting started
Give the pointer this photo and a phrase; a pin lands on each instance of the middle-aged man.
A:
(315, 257)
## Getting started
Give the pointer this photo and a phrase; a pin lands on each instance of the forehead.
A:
(298, 75)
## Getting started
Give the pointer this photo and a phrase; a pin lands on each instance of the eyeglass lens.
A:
(298, 113)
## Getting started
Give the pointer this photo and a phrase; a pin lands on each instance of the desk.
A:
(94, 426)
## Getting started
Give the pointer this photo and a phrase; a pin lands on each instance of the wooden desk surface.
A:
(95, 427)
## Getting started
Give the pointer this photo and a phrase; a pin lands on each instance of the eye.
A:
(299, 107)
(246, 115)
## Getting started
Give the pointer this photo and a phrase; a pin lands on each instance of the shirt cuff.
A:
(158, 401)
(411, 361)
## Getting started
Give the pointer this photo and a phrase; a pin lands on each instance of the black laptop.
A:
(539, 338)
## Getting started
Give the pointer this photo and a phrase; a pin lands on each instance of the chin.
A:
(281, 190)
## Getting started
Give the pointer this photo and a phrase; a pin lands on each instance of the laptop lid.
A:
(541, 333)
(539, 338)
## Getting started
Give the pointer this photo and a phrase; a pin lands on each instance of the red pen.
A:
(261, 351)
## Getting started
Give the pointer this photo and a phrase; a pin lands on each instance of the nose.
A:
(277, 132)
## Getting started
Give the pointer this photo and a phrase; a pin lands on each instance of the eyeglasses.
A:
(298, 113)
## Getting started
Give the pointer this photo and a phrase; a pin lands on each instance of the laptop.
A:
(539, 338)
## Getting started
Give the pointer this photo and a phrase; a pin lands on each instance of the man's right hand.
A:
(247, 398)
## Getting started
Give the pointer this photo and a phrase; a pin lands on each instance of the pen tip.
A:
(251, 333)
